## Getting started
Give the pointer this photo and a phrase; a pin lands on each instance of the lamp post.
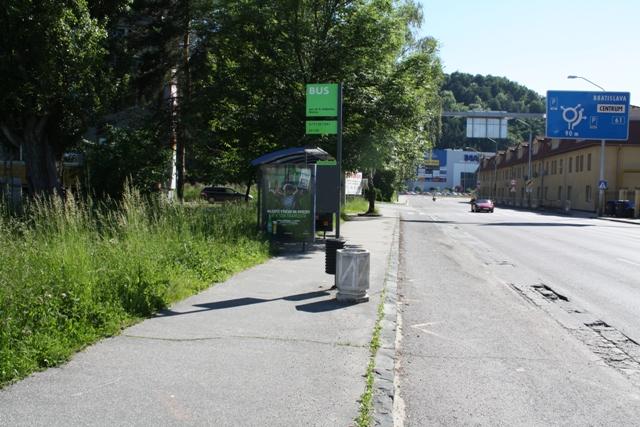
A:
(495, 169)
(602, 152)
(473, 149)
(527, 189)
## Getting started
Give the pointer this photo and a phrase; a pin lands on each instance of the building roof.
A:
(546, 148)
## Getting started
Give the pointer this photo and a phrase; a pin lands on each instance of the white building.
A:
(448, 169)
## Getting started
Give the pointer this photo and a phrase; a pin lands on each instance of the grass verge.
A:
(75, 272)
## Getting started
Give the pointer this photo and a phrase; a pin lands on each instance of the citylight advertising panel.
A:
(288, 201)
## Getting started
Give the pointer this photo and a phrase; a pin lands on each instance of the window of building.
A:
(581, 162)
(587, 193)
(589, 161)
(537, 192)
(568, 192)
(546, 193)
(561, 161)
(560, 193)
(570, 164)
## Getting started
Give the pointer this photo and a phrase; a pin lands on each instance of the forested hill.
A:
(463, 92)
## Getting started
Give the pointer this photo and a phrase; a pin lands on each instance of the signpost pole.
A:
(339, 159)
(601, 190)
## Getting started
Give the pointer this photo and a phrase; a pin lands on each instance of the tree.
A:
(464, 92)
(257, 57)
(50, 60)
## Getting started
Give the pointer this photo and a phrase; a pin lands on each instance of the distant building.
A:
(565, 173)
(447, 169)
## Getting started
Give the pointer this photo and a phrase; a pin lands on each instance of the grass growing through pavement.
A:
(366, 400)
(75, 272)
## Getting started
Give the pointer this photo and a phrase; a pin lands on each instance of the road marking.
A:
(629, 262)
(421, 327)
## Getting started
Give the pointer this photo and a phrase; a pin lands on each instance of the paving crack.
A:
(248, 337)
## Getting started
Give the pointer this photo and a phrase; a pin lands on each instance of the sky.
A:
(538, 43)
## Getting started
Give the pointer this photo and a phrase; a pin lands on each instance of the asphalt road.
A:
(517, 318)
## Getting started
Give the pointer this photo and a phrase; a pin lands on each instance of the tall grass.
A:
(73, 272)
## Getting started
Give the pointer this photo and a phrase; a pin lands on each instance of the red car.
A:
(482, 205)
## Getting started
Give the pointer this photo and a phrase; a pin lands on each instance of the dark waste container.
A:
(331, 246)
(610, 208)
(624, 209)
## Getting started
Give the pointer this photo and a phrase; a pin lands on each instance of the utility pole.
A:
(527, 189)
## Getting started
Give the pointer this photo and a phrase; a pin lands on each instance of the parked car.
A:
(221, 194)
(482, 205)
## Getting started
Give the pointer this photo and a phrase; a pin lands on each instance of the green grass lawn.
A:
(73, 273)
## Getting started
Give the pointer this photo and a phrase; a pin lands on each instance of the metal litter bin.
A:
(352, 275)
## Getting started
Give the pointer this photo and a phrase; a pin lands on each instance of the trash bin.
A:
(352, 275)
(610, 208)
(331, 246)
(623, 209)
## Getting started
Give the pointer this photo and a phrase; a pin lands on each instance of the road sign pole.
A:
(600, 189)
(339, 159)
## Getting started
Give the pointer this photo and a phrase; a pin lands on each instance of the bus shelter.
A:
(297, 193)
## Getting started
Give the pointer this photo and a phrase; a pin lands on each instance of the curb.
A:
(384, 370)
(626, 221)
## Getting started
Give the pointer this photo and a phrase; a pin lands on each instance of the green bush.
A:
(77, 271)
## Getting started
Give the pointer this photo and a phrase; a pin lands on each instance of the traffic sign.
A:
(322, 127)
(602, 185)
(322, 100)
(587, 115)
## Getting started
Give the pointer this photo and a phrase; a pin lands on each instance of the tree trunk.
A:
(39, 158)
(371, 193)
(185, 101)
(246, 193)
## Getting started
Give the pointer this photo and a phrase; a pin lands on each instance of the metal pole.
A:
(600, 209)
(529, 175)
(601, 191)
(495, 169)
(339, 159)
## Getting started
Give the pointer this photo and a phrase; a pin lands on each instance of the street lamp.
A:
(602, 151)
(495, 169)
(587, 80)
(529, 172)
(477, 170)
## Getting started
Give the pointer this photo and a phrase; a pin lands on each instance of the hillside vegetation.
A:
(465, 92)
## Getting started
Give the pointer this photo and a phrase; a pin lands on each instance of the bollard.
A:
(352, 275)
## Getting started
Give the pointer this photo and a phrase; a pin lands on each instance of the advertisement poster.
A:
(353, 183)
(289, 201)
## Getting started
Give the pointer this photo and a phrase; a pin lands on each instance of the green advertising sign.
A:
(326, 163)
(322, 100)
(288, 202)
(322, 127)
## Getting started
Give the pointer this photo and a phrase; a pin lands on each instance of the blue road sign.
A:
(602, 184)
(587, 115)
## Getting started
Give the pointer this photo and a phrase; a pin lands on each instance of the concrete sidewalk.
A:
(269, 347)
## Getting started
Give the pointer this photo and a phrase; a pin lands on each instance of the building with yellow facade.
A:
(565, 173)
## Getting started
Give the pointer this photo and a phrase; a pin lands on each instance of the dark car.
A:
(482, 205)
(221, 194)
